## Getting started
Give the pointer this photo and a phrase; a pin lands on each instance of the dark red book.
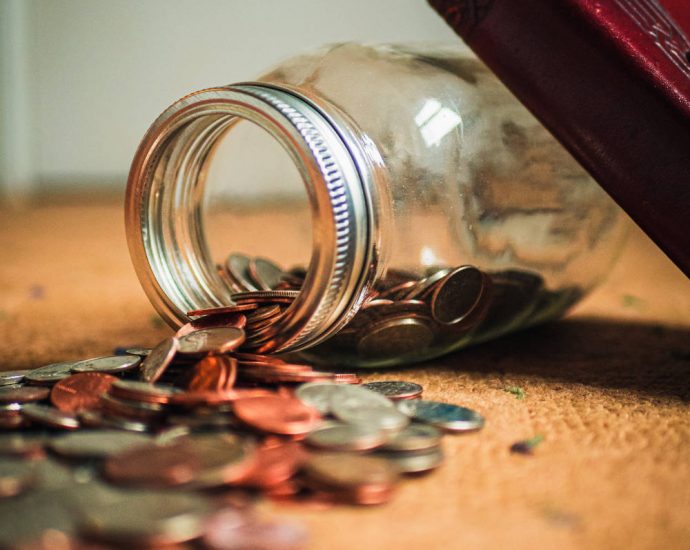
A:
(611, 80)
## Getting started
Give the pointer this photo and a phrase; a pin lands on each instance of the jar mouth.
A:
(338, 165)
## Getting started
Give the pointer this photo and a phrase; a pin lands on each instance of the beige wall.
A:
(99, 71)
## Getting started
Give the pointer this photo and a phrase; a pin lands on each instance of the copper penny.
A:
(81, 391)
(23, 394)
(237, 320)
(237, 308)
(153, 465)
(214, 373)
(277, 414)
(275, 464)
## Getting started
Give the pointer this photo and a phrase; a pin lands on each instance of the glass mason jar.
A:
(424, 207)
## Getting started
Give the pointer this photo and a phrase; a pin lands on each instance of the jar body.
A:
(480, 223)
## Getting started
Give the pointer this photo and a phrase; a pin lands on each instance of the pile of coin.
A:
(405, 317)
(169, 445)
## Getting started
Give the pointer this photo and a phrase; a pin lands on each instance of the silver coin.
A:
(143, 518)
(446, 416)
(415, 437)
(212, 340)
(317, 395)
(10, 377)
(336, 436)
(141, 352)
(110, 364)
(264, 273)
(16, 477)
(426, 286)
(96, 444)
(357, 405)
(414, 462)
(348, 470)
(94, 419)
(458, 295)
(49, 416)
(50, 373)
(135, 387)
(236, 267)
(224, 458)
(395, 389)
(155, 363)
(395, 337)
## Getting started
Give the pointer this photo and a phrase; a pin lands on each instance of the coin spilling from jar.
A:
(173, 444)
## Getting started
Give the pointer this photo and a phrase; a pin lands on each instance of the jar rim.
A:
(339, 168)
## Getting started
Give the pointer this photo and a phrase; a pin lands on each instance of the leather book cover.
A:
(611, 80)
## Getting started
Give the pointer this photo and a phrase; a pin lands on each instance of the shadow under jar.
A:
(438, 212)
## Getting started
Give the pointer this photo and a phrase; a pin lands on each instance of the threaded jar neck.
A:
(341, 170)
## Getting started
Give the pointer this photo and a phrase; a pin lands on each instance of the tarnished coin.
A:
(22, 394)
(415, 437)
(414, 462)
(146, 519)
(81, 391)
(317, 395)
(224, 458)
(141, 352)
(336, 436)
(155, 363)
(10, 377)
(394, 389)
(50, 374)
(395, 337)
(49, 416)
(212, 340)
(143, 391)
(457, 295)
(110, 365)
(96, 444)
(442, 415)
(277, 414)
(264, 273)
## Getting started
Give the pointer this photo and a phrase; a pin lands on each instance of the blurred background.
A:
(81, 80)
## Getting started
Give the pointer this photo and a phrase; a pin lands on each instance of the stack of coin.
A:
(405, 315)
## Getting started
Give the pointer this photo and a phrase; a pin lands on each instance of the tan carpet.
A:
(609, 389)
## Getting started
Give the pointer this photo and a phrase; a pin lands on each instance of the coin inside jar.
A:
(395, 336)
(457, 295)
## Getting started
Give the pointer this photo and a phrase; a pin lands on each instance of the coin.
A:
(274, 464)
(457, 295)
(143, 391)
(141, 352)
(358, 405)
(49, 416)
(414, 462)
(25, 445)
(96, 444)
(22, 394)
(349, 471)
(10, 377)
(213, 373)
(236, 267)
(317, 395)
(443, 415)
(222, 310)
(224, 459)
(277, 414)
(212, 340)
(394, 389)
(415, 437)
(81, 391)
(110, 364)
(228, 532)
(16, 477)
(155, 363)
(336, 436)
(51, 373)
(264, 273)
(395, 337)
(266, 296)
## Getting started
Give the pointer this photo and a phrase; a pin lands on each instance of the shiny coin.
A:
(414, 462)
(336, 436)
(317, 395)
(155, 363)
(394, 389)
(22, 394)
(264, 273)
(96, 444)
(395, 337)
(457, 295)
(277, 414)
(81, 391)
(213, 373)
(10, 377)
(266, 296)
(212, 340)
(237, 268)
(51, 373)
(49, 416)
(110, 364)
(145, 519)
(415, 437)
(442, 415)
(358, 405)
